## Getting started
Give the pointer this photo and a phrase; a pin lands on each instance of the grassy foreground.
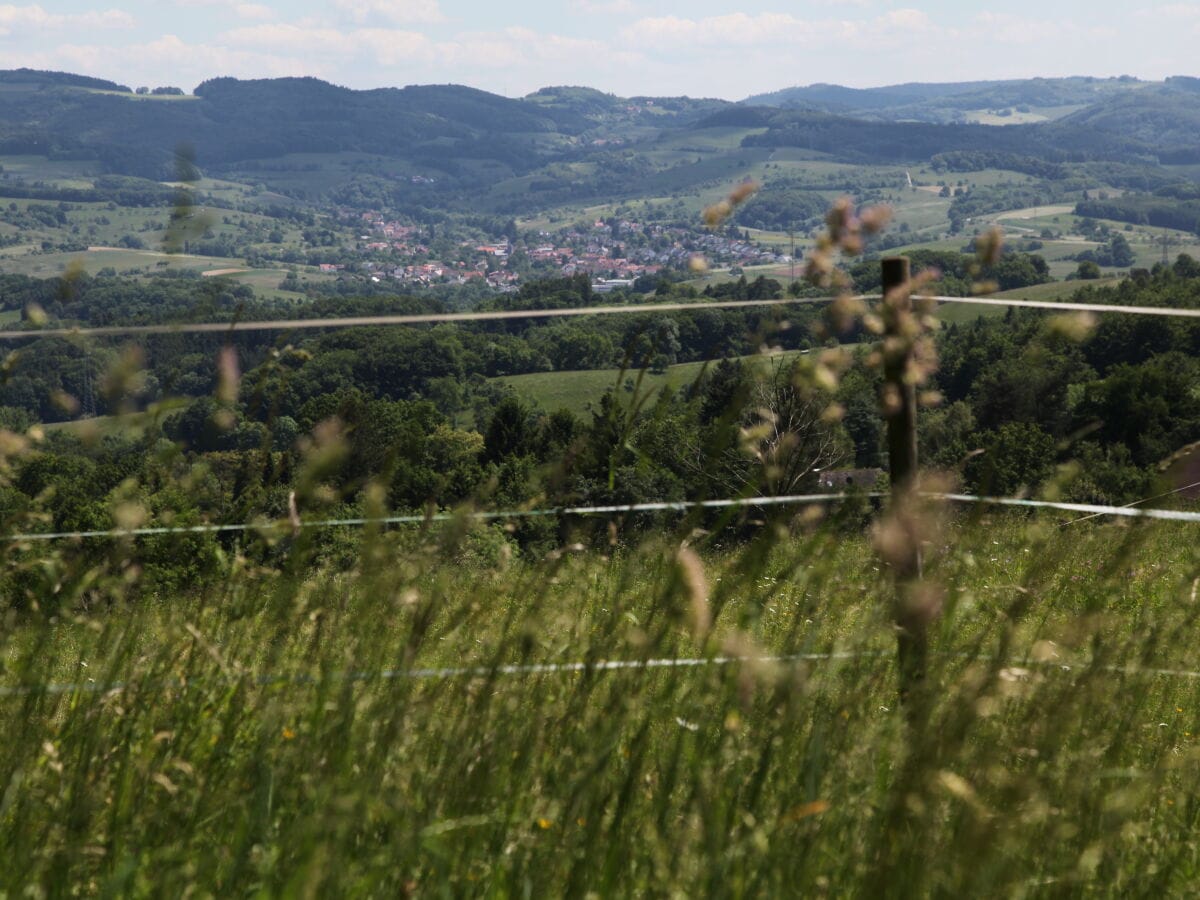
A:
(252, 748)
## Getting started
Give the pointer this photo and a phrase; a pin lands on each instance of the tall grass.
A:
(242, 741)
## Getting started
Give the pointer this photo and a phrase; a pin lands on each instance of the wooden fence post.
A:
(901, 413)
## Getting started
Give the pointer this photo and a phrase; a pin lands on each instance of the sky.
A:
(711, 48)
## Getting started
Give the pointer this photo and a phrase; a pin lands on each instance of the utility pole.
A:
(900, 409)
(89, 393)
(792, 255)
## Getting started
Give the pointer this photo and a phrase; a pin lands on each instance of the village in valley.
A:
(614, 252)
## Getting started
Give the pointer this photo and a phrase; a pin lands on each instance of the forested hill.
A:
(579, 143)
(870, 141)
(955, 101)
(227, 120)
(1106, 118)
(18, 78)
(837, 98)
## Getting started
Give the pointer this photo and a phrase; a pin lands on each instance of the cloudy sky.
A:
(715, 48)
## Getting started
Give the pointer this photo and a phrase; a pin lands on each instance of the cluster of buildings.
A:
(614, 253)
(626, 249)
(389, 236)
(601, 262)
(431, 273)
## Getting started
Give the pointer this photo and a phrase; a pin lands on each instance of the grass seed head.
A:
(989, 246)
(691, 570)
(1077, 327)
(228, 375)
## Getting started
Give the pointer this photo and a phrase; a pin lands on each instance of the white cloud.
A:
(910, 20)
(387, 46)
(35, 18)
(165, 60)
(1005, 28)
(394, 47)
(1185, 11)
(604, 7)
(894, 29)
(519, 47)
(765, 29)
(734, 28)
(283, 35)
(253, 11)
(243, 10)
(514, 48)
(397, 12)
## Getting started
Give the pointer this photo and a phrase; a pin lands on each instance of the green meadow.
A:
(580, 391)
(431, 715)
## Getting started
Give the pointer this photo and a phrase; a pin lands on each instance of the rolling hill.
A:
(456, 149)
(954, 102)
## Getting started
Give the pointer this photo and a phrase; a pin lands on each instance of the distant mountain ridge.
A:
(452, 144)
(228, 120)
(948, 102)
(41, 77)
(835, 97)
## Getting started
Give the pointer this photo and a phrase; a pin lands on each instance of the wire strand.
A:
(1168, 515)
(401, 319)
(1067, 306)
(501, 315)
(571, 668)
(430, 674)
(1179, 490)
(617, 509)
(1172, 515)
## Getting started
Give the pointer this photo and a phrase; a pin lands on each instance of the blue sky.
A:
(703, 47)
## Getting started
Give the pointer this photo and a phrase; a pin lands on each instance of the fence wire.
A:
(1016, 669)
(233, 327)
(683, 506)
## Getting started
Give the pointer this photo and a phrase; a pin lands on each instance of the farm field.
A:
(50, 265)
(101, 236)
(67, 174)
(1055, 290)
(687, 187)
(146, 262)
(581, 390)
(264, 281)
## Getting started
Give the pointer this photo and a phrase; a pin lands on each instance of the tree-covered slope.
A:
(1166, 117)
(948, 102)
(865, 140)
(479, 150)
(232, 120)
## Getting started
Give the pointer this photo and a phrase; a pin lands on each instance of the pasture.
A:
(581, 391)
(94, 260)
(59, 173)
(416, 723)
